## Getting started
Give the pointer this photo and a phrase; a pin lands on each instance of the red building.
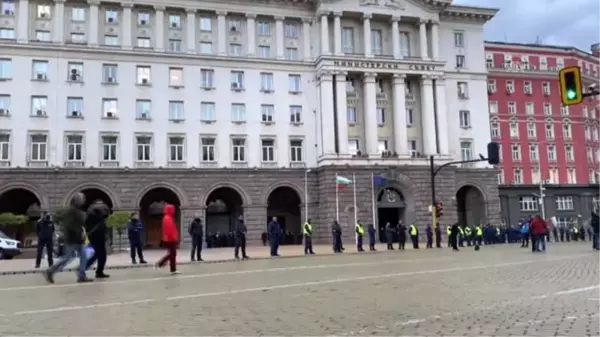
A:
(540, 139)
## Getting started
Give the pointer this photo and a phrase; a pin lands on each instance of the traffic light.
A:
(571, 91)
(493, 154)
(439, 208)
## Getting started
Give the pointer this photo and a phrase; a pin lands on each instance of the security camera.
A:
(592, 87)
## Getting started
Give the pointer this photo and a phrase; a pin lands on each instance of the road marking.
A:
(566, 292)
(228, 273)
(277, 287)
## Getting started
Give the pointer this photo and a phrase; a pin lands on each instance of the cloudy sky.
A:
(560, 22)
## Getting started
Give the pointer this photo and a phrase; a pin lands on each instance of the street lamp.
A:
(306, 171)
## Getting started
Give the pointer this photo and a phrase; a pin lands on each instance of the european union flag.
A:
(379, 181)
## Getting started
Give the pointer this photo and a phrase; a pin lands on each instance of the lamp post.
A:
(306, 172)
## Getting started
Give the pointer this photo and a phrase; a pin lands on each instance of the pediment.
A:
(407, 8)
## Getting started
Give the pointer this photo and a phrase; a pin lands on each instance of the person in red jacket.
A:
(170, 239)
(538, 230)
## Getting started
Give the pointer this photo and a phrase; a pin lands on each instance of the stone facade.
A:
(126, 188)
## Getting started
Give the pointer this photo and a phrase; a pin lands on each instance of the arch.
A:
(156, 195)
(246, 200)
(392, 208)
(224, 205)
(284, 203)
(178, 192)
(566, 120)
(43, 200)
(114, 200)
(495, 119)
(471, 206)
(531, 120)
(299, 191)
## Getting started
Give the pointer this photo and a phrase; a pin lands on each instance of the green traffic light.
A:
(571, 94)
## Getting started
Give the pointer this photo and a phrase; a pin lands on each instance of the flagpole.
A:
(337, 200)
(355, 211)
(373, 209)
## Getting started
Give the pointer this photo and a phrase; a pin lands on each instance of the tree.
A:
(118, 220)
(11, 219)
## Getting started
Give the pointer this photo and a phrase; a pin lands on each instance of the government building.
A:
(228, 108)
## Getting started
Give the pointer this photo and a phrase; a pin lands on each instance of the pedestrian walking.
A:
(95, 226)
(45, 235)
(240, 238)
(135, 228)
(595, 224)
(275, 234)
(538, 234)
(74, 236)
(196, 231)
(307, 231)
(170, 237)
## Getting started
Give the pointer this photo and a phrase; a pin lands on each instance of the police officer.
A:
(371, 230)
(196, 231)
(307, 231)
(336, 234)
(401, 236)
(468, 235)
(429, 233)
(449, 234)
(360, 231)
(414, 236)
(561, 230)
(275, 234)
(438, 235)
(461, 235)
(240, 238)
(45, 235)
(478, 235)
(135, 227)
(389, 236)
(454, 233)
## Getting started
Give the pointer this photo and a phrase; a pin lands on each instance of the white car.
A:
(9, 248)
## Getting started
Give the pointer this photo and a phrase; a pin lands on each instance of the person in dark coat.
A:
(454, 233)
(595, 225)
(401, 236)
(275, 234)
(371, 230)
(389, 235)
(45, 234)
(95, 227)
(336, 234)
(135, 228)
(196, 231)
(240, 238)
(429, 235)
(438, 236)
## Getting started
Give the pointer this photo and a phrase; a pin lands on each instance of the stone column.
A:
(279, 37)
(325, 33)
(58, 22)
(428, 117)
(442, 116)
(222, 33)
(400, 127)
(367, 34)
(423, 38)
(251, 31)
(127, 25)
(370, 115)
(306, 39)
(94, 17)
(435, 40)
(23, 22)
(327, 122)
(159, 38)
(396, 37)
(191, 30)
(337, 33)
(342, 119)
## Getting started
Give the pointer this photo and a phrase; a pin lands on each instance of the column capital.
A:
(250, 16)
(307, 20)
(434, 22)
(159, 8)
(191, 10)
(426, 80)
(93, 2)
(325, 76)
(369, 77)
(341, 73)
(221, 13)
(396, 19)
(367, 16)
(399, 78)
(279, 18)
(60, 1)
(338, 14)
(422, 22)
(126, 5)
(323, 13)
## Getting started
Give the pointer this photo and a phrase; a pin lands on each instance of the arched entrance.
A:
(390, 208)
(94, 194)
(20, 201)
(470, 206)
(284, 203)
(223, 207)
(151, 213)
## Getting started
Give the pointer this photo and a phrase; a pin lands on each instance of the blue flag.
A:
(379, 181)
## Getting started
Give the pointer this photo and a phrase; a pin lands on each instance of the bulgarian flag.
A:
(342, 182)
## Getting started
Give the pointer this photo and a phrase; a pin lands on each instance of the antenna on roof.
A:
(538, 40)
(505, 37)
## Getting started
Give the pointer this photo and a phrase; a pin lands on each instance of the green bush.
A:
(11, 219)
(118, 220)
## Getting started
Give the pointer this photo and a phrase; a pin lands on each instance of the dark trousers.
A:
(479, 240)
(454, 242)
(49, 245)
(555, 236)
(99, 255)
(170, 256)
(562, 236)
(534, 242)
(525, 240)
(401, 242)
(390, 241)
(438, 241)
(196, 247)
(415, 241)
(337, 243)
(274, 244)
(136, 248)
(372, 243)
(359, 243)
(240, 242)
(308, 245)
(429, 241)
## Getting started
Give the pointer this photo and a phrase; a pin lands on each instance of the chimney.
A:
(596, 49)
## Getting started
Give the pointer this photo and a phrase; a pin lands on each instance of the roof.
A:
(542, 46)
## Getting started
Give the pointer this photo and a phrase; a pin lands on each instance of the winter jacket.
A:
(95, 225)
(134, 230)
(537, 226)
(169, 228)
(274, 230)
(196, 229)
(240, 229)
(45, 229)
(72, 226)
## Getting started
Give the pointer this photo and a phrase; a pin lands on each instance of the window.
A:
(143, 18)
(264, 51)
(40, 70)
(74, 148)
(543, 63)
(268, 150)
(380, 116)
(109, 108)
(143, 42)
(111, 40)
(560, 62)
(142, 75)
(267, 112)
(516, 152)
(238, 112)
(529, 108)
(39, 147)
(176, 77)
(409, 117)
(291, 53)
(535, 176)
(43, 36)
(111, 16)
(593, 175)
(77, 14)
(235, 25)
(531, 130)
(143, 108)
(518, 176)
(493, 106)
(495, 129)
(595, 133)
(176, 148)
(264, 28)
(207, 78)
(4, 147)
(512, 108)
(588, 133)
(175, 45)
(235, 49)
(238, 150)
(382, 146)
(564, 203)
(75, 72)
(569, 153)
(564, 110)
(267, 83)
(376, 42)
(510, 86)
(546, 88)
(547, 109)
(109, 148)
(176, 112)
(533, 152)
(348, 40)
(144, 148)
(489, 60)
(553, 175)
(527, 88)
(590, 154)
(208, 147)
(353, 146)
(8, 7)
(5, 68)
(551, 153)
(174, 21)
(460, 61)
(78, 38)
(207, 110)
(291, 30)
(43, 11)
(206, 48)
(39, 105)
(296, 151)
(567, 131)
(501, 177)
(465, 118)
(295, 114)
(4, 105)
(491, 86)
(205, 24)
(405, 44)
(571, 176)
(412, 148)
(237, 80)
(7, 34)
(466, 150)
(351, 114)
(294, 83)
(462, 89)
(549, 130)
(528, 203)
(514, 130)
(74, 106)
(459, 39)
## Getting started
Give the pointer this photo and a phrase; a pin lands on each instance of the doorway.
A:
(390, 208)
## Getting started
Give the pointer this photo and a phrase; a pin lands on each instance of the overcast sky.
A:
(558, 22)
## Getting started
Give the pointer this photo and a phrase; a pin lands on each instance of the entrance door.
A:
(385, 215)
(390, 208)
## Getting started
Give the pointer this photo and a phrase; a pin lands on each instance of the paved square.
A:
(498, 291)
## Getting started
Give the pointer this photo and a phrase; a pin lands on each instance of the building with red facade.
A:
(542, 142)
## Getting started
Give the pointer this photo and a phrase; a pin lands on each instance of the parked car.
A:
(9, 247)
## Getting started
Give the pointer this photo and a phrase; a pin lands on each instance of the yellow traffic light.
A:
(571, 91)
